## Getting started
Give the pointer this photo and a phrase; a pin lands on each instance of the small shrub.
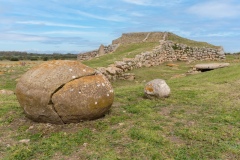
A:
(45, 58)
(33, 58)
(175, 47)
(14, 59)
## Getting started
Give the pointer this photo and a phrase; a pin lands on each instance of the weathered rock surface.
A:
(93, 95)
(157, 88)
(210, 66)
(101, 50)
(63, 92)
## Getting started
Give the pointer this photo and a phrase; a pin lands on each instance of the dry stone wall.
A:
(95, 53)
(167, 51)
(126, 38)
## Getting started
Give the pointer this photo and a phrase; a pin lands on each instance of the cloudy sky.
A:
(82, 25)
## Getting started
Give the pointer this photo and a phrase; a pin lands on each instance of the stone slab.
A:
(211, 66)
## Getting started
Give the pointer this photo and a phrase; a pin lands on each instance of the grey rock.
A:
(101, 50)
(24, 141)
(157, 88)
(210, 66)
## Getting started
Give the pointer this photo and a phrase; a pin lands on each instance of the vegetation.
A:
(123, 51)
(132, 49)
(191, 43)
(17, 56)
(200, 120)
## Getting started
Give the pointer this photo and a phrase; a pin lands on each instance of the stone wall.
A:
(167, 51)
(95, 53)
(126, 38)
(87, 55)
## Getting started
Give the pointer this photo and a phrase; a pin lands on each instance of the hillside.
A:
(138, 37)
(131, 44)
(137, 50)
(177, 39)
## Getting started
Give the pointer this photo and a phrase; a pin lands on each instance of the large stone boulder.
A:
(157, 88)
(64, 92)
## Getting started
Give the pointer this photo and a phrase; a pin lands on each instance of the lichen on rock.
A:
(157, 88)
(63, 92)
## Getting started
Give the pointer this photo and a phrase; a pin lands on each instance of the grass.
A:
(132, 49)
(200, 120)
(123, 51)
(177, 39)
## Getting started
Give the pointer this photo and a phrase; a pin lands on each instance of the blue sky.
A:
(82, 25)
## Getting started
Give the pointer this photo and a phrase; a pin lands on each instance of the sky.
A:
(74, 26)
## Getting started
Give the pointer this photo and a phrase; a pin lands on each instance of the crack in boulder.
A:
(61, 92)
(52, 104)
(59, 88)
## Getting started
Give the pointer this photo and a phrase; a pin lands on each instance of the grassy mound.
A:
(177, 39)
(123, 51)
(132, 49)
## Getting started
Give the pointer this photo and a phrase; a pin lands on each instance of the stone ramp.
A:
(146, 37)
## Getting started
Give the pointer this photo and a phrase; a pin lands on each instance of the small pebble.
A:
(24, 141)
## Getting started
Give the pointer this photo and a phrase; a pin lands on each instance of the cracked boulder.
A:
(64, 92)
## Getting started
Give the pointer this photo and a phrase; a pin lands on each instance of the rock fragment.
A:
(157, 88)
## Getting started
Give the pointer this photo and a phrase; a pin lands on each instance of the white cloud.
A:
(216, 9)
(139, 2)
(45, 23)
(115, 18)
(153, 2)
(137, 14)
(20, 37)
(221, 34)
(92, 35)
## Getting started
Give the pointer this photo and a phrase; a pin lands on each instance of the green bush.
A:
(14, 59)
(33, 58)
(45, 58)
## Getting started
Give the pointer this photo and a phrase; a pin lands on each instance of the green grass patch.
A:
(200, 120)
(177, 39)
(123, 51)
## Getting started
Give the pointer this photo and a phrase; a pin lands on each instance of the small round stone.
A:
(157, 88)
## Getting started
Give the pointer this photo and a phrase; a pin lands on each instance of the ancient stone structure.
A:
(64, 92)
(101, 50)
(210, 66)
(138, 37)
(157, 88)
(95, 53)
(198, 68)
(166, 51)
